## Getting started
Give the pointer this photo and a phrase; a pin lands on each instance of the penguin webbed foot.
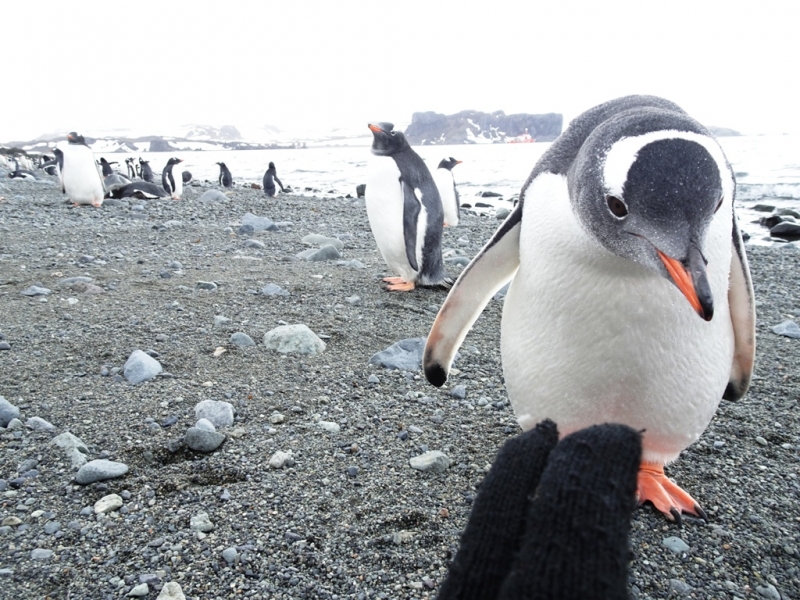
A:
(398, 284)
(667, 497)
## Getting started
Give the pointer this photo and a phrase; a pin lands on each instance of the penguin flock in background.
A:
(630, 298)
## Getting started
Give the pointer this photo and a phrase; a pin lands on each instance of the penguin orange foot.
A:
(667, 497)
(398, 284)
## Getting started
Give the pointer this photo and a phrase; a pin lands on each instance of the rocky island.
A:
(475, 127)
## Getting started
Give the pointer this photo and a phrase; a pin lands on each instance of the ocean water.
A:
(767, 168)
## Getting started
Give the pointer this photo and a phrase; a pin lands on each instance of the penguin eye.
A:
(719, 203)
(393, 132)
(617, 207)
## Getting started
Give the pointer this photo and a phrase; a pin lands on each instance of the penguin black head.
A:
(222, 165)
(272, 165)
(448, 163)
(174, 161)
(659, 181)
(385, 140)
(75, 138)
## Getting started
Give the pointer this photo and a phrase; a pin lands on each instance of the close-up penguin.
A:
(630, 298)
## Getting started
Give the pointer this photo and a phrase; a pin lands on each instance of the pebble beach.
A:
(169, 429)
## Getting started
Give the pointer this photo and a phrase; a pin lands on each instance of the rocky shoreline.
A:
(311, 492)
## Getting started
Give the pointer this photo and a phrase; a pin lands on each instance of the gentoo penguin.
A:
(630, 297)
(114, 181)
(225, 177)
(145, 171)
(131, 169)
(186, 176)
(50, 167)
(446, 184)
(405, 211)
(80, 177)
(139, 189)
(269, 179)
(173, 185)
(106, 166)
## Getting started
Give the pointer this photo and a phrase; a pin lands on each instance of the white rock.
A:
(171, 591)
(329, 426)
(140, 590)
(107, 504)
(140, 366)
(296, 338)
(217, 412)
(281, 459)
(201, 522)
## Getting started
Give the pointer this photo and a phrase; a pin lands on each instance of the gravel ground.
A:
(346, 516)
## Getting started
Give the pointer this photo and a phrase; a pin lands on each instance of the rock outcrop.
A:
(474, 127)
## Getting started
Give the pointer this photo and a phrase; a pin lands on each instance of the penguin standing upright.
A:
(131, 169)
(172, 184)
(80, 177)
(446, 184)
(405, 211)
(145, 171)
(225, 177)
(106, 167)
(630, 297)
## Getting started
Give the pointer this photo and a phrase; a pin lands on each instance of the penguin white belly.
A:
(384, 200)
(177, 193)
(80, 177)
(589, 337)
(446, 185)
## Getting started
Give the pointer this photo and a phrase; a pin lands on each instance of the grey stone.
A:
(140, 590)
(140, 367)
(74, 448)
(241, 340)
(501, 213)
(36, 291)
(329, 426)
(39, 424)
(254, 244)
(201, 522)
(7, 412)
(675, 544)
(314, 239)
(259, 223)
(788, 329)
(786, 230)
(373, 379)
(203, 440)
(328, 252)
(351, 264)
(272, 289)
(769, 592)
(41, 554)
(5, 345)
(296, 338)
(205, 424)
(432, 461)
(405, 355)
(230, 555)
(70, 281)
(216, 411)
(353, 300)
(100, 470)
(212, 196)
(501, 293)
(679, 588)
(206, 285)
(459, 392)
(220, 321)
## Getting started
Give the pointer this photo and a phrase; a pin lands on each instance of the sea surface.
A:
(767, 170)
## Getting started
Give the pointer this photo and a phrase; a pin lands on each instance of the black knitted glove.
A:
(551, 523)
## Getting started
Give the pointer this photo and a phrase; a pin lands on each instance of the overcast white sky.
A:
(339, 63)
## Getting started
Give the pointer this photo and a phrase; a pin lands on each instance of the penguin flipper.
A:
(743, 316)
(492, 268)
(411, 209)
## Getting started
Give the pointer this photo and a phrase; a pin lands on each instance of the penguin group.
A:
(630, 297)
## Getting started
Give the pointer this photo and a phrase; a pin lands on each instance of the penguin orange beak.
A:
(375, 128)
(689, 283)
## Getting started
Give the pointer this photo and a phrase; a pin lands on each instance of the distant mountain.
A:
(474, 127)
(723, 131)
